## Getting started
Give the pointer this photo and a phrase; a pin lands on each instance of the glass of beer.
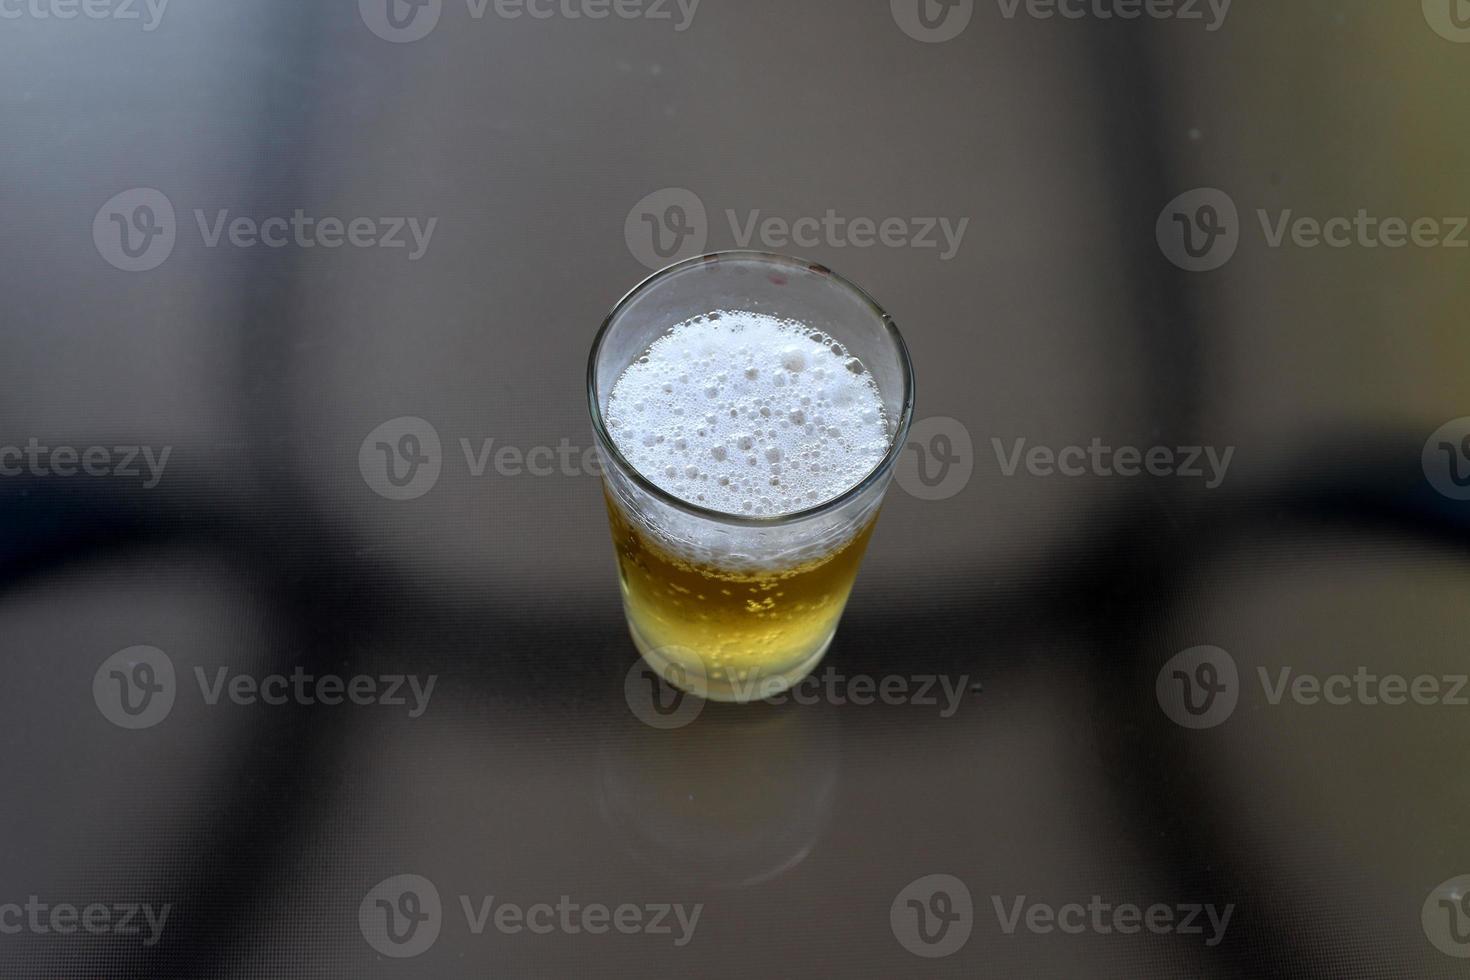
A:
(749, 409)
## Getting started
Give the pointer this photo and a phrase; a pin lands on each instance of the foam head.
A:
(749, 415)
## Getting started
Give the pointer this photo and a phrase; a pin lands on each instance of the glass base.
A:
(727, 690)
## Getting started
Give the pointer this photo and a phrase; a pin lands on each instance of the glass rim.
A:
(879, 472)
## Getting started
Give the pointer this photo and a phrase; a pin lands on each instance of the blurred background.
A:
(241, 238)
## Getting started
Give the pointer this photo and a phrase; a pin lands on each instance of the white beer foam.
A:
(749, 415)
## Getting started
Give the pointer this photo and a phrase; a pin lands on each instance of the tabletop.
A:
(1155, 666)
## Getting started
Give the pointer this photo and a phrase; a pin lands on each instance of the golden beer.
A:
(744, 632)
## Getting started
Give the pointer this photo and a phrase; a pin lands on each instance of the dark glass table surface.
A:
(201, 206)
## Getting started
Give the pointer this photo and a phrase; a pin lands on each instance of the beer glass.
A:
(726, 606)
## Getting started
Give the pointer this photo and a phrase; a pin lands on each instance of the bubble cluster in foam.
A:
(750, 415)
